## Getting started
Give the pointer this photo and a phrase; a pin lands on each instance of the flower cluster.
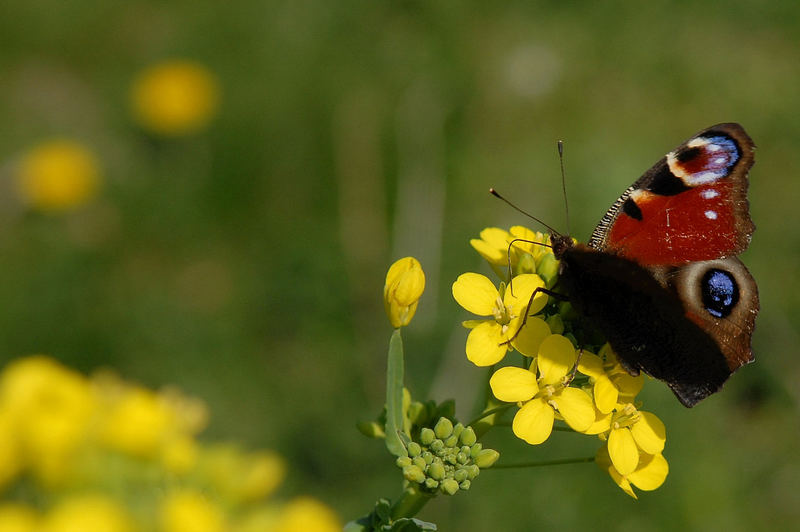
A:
(560, 378)
(99, 453)
(447, 458)
(175, 97)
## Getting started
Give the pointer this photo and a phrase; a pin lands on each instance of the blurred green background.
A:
(245, 263)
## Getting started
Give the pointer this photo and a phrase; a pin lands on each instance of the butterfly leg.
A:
(540, 289)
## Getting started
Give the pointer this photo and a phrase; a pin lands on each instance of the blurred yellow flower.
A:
(190, 511)
(405, 282)
(101, 454)
(175, 97)
(17, 518)
(243, 477)
(82, 513)
(138, 423)
(305, 514)
(51, 407)
(57, 176)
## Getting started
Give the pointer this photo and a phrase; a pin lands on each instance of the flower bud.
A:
(405, 282)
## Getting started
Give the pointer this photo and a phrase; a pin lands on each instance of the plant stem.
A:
(410, 503)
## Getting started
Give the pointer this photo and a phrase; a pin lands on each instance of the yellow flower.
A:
(52, 407)
(305, 514)
(611, 384)
(175, 98)
(242, 476)
(11, 459)
(57, 176)
(548, 395)
(487, 342)
(98, 513)
(633, 431)
(17, 518)
(525, 254)
(650, 473)
(138, 423)
(189, 511)
(405, 282)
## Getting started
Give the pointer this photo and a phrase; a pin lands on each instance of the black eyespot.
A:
(665, 183)
(688, 154)
(631, 209)
(720, 292)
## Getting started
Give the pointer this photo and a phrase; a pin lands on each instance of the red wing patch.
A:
(697, 224)
(690, 206)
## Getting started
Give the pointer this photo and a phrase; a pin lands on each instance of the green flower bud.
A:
(460, 475)
(548, 269)
(472, 471)
(443, 428)
(452, 441)
(449, 486)
(419, 462)
(465, 485)
(462, 458)
(431, 484)
(403, 461)
(414, 449)
(486, 458)
(427, 456)
(475, 449)
(426, 436)
(413, 473)
(436, 470)
(458, 429)
(556, 324)
(468, 437)
(437, 446)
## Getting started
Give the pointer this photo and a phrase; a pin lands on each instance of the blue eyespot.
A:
(720, 292)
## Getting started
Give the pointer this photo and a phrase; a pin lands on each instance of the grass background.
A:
(245, 264)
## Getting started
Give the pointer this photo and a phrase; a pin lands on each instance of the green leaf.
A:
(394, 396)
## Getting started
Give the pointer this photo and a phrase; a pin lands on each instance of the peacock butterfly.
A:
(659, 276)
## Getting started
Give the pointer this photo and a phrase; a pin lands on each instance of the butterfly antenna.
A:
(496, 194)
(563, 181)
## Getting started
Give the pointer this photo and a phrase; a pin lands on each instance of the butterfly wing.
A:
(660, 278)
(690, 206)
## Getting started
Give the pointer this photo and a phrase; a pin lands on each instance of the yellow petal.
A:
(622, 482)
(601, 423)
(605, 394)
(530, 337)
(484, 344)
(512, 384)
(591, 365)
(476, 293)
(492, 254)
(496, 237)
(604, 462)
(649, 433)
(576, 407)
(651, 473)
(534, 422)
(556, 358)
(628, 385)
(623, 451)
(519, 291)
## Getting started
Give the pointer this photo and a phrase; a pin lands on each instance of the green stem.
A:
(545, 463)
(486, 414)
(394, 395)
(410, 503)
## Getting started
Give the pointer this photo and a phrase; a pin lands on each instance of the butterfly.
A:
(659, 277)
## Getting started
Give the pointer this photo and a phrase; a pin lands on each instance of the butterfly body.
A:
(660, 278)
